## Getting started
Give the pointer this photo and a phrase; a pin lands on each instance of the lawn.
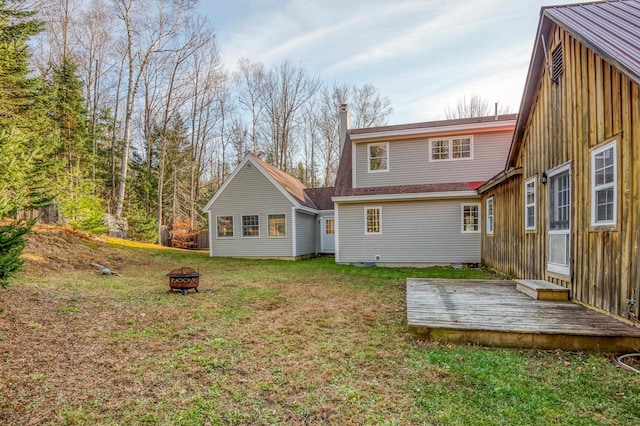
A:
(267, 342)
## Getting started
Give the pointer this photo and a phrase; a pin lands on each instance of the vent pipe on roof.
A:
(496, 111)
(344, 124)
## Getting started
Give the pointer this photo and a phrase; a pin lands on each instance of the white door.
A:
(328, 235)
(559, 242)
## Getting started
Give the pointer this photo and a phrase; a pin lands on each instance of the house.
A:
(566, 208)
(406, 195)
(262, 212)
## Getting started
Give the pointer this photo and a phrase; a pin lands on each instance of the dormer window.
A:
(378, 157)
(446, 149)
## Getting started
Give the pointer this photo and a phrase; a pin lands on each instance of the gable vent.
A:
(556, 64)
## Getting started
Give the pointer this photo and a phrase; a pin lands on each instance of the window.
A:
(277, 225)
(530, 204)
(490, 216)
(604, 185)
(225, 226)
(251, 226)
(471, 218)
(378, 157)
(329, 226)
(372, 216)
(451, 149)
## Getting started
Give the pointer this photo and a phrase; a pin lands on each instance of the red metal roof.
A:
(609, 28)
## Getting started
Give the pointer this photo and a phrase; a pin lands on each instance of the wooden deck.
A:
(494, 313)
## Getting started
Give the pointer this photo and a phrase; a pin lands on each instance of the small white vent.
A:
(556, 64)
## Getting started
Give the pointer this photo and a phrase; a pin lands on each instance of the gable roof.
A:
(611, 29)
(344, 177)
(292, 188)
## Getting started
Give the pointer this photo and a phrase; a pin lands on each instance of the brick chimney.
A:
(344, 125)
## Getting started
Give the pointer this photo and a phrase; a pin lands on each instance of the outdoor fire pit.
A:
(184, 278)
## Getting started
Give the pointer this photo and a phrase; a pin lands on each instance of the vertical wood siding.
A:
(409, 162)
(420, 232)
(592, 104)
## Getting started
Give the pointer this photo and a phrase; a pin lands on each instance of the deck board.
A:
(495, 313)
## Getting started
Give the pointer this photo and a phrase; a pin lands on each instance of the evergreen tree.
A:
(24, 163)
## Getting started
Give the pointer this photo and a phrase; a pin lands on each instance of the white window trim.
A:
(369, 145)
(233, 227)
(613, 185)
(534, 204)
(462, 206)
(242, 227)
(551, 266)
(492, 216)
(366, 231)
(450, 140)
(269, 227)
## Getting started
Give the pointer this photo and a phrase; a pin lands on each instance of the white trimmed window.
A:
(489, 210)
(446, 149)
(604, 185)
(530, 204)
(225, 226)
(378, 154)
(277, 225)
(251, 226)
(470, 218)
(372, 220)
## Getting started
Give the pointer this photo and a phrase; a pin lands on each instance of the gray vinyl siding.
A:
(412, 232)
(409, 162)
(251, 193)
(305, 238)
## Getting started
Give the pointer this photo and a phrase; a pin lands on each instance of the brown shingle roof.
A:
(290, 184)
(321, 197)
(431, 124)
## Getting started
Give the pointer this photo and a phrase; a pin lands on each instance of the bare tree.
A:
(368, 107)
(474, 106)
(288, 88)
(146, 30)
(251, 86)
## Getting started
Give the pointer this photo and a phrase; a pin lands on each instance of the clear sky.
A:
(423, 54)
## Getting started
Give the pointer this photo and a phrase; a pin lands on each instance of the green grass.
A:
(273, 342)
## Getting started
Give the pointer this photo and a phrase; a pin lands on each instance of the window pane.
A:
(461, 148)
(329, 226)
(604, 205)
(277, 225)
(373, 221)
(560, 195)
(471, 218)
(531, 217)
(378, 157)
(250, 226)
(225, 226)
(440, 150)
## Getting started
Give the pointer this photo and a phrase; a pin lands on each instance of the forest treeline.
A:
(124, 109)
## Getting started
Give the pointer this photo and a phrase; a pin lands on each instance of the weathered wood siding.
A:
(412, 232)
(409, 162)
(593, 103)
(251, 193)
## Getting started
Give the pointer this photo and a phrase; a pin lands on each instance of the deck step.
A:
(542, 290)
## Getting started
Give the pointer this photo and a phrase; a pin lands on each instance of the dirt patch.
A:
(53, 248)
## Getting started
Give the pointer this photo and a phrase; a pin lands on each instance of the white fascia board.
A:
(406, 197)
(431, 130)
(306, 210)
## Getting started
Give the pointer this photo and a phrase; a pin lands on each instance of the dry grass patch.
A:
(264, 342)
